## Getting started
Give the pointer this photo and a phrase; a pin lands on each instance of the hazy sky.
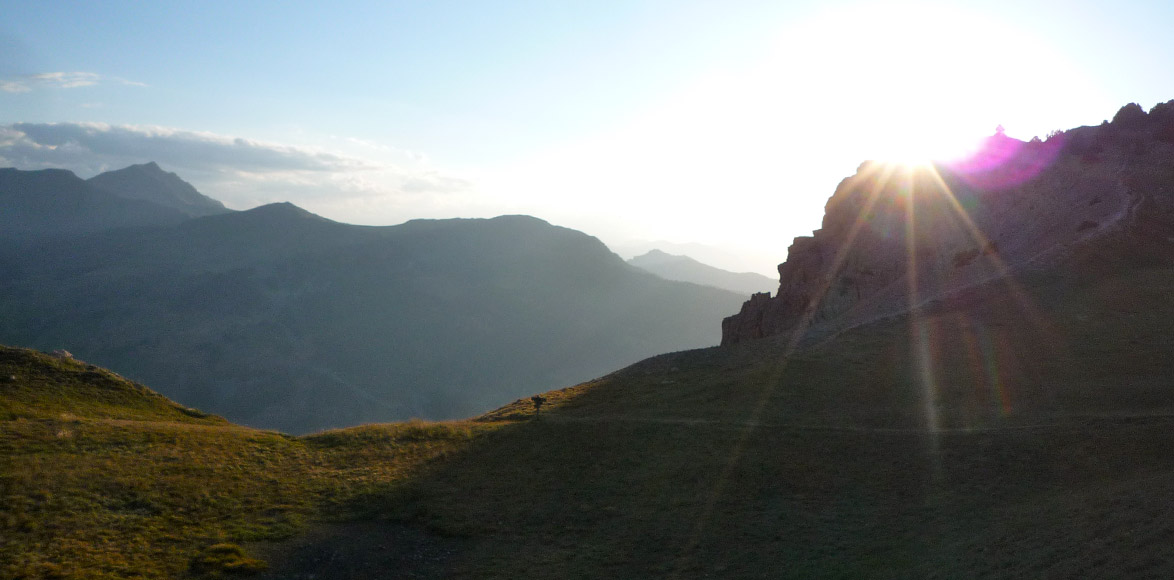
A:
(719, 123)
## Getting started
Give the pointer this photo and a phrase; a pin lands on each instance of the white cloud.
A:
(95, 147)
(240, 172)
(60, 80)
(65, 80)
(14, 87)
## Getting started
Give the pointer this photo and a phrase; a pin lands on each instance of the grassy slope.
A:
(712, 463)
(101, 478)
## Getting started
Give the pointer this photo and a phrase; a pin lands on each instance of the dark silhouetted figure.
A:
(538, 400)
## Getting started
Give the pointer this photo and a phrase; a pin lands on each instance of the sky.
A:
(717, 129)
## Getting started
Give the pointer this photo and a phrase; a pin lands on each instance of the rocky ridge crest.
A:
(894, 238)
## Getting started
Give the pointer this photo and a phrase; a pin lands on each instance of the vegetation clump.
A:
(220, 559)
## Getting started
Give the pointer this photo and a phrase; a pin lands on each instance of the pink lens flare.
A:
(1002, 162)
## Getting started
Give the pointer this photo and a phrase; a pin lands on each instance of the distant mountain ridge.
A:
(148, 182)
(54, 202)
(686, 269)
(279, 318)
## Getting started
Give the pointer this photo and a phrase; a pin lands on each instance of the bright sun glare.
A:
(921, 143)
(917, 83)
(898, 83)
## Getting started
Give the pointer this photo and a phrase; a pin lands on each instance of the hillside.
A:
(736, 462)
(103, 478)
(38, 386)
(275, 317)
(149, 182)
(686, 269)
(1051, 419)
(893, 237)
(1014, 424)
(54, 203)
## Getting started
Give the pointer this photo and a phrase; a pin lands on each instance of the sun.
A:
(904, 82)
(920, 142)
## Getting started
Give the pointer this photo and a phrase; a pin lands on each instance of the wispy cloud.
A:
(66, 80)
(14, 87)
(95, 146)
(241, 172)
(60, 80)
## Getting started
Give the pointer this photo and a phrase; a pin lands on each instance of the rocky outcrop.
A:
(896, 237)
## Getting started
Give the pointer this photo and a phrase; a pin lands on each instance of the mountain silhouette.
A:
(1002, 420)
(55, 203)
(280, 318)
(1085, 200)
(686, 269)
(149, 182)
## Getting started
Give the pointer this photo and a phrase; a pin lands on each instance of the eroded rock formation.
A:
(896, 237)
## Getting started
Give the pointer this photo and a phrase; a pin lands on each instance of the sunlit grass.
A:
(101, 478)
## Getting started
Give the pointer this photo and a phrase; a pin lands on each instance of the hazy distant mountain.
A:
(277, 317)
(730, 260)
(1014, 428)
(686, 269)
(55, 202)
(150, 183)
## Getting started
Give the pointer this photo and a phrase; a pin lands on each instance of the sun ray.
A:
(773, 378)
(919, 334)
(1018, 294)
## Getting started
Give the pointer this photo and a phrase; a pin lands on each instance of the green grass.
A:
(34, 385)
(730, 463)
(101, 478)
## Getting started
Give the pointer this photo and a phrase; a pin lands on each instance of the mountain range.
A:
(686, 269)
(992, 401)
(279, 318)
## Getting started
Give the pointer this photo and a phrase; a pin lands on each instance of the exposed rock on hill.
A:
(896, 237)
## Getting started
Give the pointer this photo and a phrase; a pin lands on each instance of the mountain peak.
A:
(686, 269)
(150, 167)
(282, 208)
(149, 182)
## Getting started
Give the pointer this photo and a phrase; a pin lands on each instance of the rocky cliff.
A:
(895, 237)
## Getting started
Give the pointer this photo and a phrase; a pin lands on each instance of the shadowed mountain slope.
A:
(686, 269)
(149, 182)
(276, 317)
(982, 438)
(1049, 458)
(1016, 426)
(53, 203)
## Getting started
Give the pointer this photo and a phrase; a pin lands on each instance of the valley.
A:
(960, 378)
(736, 462)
